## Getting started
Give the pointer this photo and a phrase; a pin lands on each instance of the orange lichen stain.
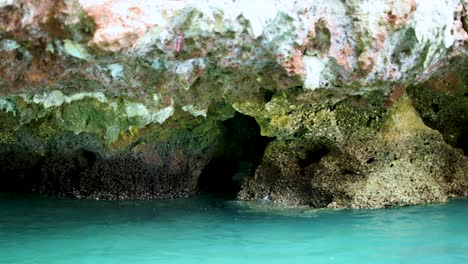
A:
(135, 10)
(36, 77)
(11, 20)
(119, 24)
(311, 31)
(29, 15)
(340, 52)
(396, 93)
(342, 57)
(368, 58)
(460, 34)
(294, 65)
(381, 37)
(308, 42)
(399, 13)
(166, 101)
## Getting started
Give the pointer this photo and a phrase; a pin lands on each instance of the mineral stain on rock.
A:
(308, 103)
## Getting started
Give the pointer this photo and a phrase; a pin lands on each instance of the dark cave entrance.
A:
(76, 172)
(240, 152)
(55, 175)
(19, 171)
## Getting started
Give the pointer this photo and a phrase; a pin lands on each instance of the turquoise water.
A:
(210, 230)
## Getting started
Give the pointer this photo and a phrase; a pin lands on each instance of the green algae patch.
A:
(76, 50)
(47, 127)
(361, 114)
(404, 122)
(92, 116)
(82, 112)
(9, 125)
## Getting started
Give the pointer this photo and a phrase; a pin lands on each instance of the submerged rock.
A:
(359, 104)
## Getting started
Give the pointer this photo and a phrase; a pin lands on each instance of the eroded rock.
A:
(364, 102)
(400, 161)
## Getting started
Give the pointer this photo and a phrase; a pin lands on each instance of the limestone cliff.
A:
(358, 103)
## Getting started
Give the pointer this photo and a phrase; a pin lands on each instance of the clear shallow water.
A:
(210, 230)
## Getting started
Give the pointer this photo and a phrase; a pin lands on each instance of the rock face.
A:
(355, 103)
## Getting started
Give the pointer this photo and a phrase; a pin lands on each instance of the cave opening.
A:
(462, 141)
(61, 174)
(54, 175)
(314, 156)
(19, 171)
(240, 152)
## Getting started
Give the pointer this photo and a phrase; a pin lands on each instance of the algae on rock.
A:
(358, 103)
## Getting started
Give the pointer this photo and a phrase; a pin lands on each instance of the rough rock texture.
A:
(365, 101)
(396, 161)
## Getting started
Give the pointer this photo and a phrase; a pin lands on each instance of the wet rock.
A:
(400, 162)
(365, 102)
